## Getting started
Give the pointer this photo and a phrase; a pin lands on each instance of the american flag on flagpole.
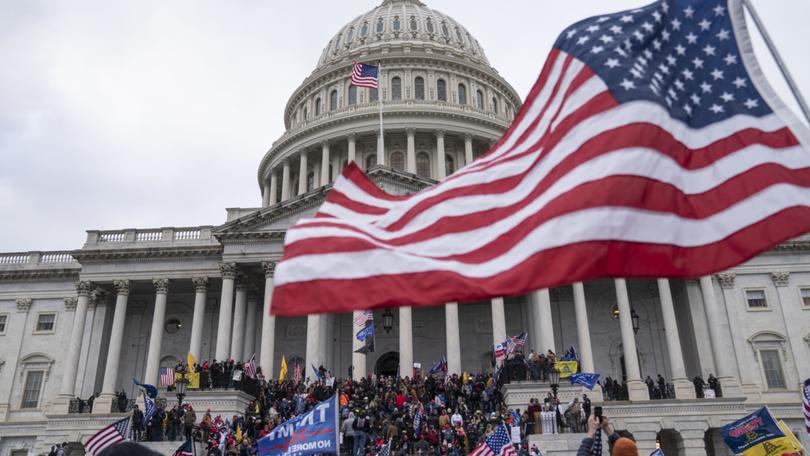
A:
(250, 367)
(363, 317)
(651, 145)
(365, 75)
(515, 342)
(497, 444)
(297, 376)
(166, 376)
(109, 435)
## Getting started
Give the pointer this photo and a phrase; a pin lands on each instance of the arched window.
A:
(423, 164)
(398, 161)
(352, 94)
(395, 24)
(458, 35)
(479, 95)
(429, 26)
(317, 107)
(413, 24)
(445, 30)
(419, 88)
(364, 30)
(371, 160)
(373, 94)
(380, 25)
(333, 100)
(310, 180)
(350, 35)
(337, 42)
(441, 90)
(462, 94)
(396, 88)
(494, 105)
(449, 165)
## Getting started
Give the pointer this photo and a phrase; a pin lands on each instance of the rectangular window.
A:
(3, 321)
(805, 294)
(774, 377)
(45, 322)
(756, 299)
(33, 385)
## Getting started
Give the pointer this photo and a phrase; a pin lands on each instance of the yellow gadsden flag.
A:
(566, 368)
(283, 372)
(191, 361)
(780, 446)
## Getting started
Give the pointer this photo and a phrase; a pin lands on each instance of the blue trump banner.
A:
(751, 430)
(314, 432)
(586, 379)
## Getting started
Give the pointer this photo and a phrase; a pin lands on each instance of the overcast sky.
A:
(147, 114)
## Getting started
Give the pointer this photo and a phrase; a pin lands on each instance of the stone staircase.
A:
(557, 444)
(168, 448)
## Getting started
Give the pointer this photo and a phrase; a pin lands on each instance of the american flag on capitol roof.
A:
(651, 145)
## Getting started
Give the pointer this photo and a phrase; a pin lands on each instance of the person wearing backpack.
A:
(360, 425)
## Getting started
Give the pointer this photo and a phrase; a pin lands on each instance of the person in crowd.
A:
(662, 386)
(700, 385)
(616, 442)
(136, 429)
(715, 385)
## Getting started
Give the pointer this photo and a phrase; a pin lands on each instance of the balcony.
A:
(150, 237)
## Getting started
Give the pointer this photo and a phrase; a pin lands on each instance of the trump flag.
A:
(314, 432)
(751, 430)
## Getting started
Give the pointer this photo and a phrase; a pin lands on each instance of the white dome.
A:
(401, 22)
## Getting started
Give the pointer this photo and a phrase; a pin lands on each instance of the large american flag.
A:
(109, 435)
(250, 367)
(497, 444)
(166, 376)
(650, 146)
(515, 342)
(365, 75)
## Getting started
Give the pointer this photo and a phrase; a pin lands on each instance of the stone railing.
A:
(36, 258)
(160, 236)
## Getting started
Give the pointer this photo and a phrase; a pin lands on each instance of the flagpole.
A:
(778, 58)
(381, 140)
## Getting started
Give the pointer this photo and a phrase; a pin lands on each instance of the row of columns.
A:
(233, 325)
(322, 175)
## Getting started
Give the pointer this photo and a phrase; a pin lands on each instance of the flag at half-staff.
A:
(651, 145)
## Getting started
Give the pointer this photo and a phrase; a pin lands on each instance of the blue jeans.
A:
(359, 443)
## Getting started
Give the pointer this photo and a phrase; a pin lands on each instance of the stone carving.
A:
(70, 303)
(228, 270)
(269, 268)
(726, 279)
(161, 285)
(241, 281)
(200, 284)
(780, 278)
(84, 287)
(122, 286)
(24, 304)
(96, 297)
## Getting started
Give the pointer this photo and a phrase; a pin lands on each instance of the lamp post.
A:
(634, 316)
(181, 385)
(554, 378)
(388, 320)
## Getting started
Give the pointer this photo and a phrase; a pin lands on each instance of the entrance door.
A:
(387, 364)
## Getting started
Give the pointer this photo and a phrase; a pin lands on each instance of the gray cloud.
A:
(148, 113)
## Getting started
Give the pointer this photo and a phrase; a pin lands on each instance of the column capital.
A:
(228, 270)
(780, 278)
(440, 133)
(200, 284)
(726, 279)
(325, 144)
(122, 286)
(161, 286)
(24, 304)
(97, 295)
(352, 136)
(269, 268)
(70, 303)
(84, 287)
(410, 131)
(241, 281)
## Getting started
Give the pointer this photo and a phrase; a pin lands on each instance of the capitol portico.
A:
(130, 301)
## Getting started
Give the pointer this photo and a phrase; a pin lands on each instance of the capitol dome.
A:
(443, 104)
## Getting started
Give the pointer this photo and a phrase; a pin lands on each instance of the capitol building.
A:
(130, 301)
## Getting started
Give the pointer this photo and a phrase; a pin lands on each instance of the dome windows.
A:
(445, 30)
(413, 24)
(333, 100)
(494, 105)
(462, 94)
(429, 26)
(350, 35)
(373, 94)
(305, 114)
(396, 88)
(449, 165)
(479, 99)
(364, 30)
(396, 24)
(380, 26)
(317, 107)
(441, 90)
(337, 42)
(423, 164)
(371, 160)
(352, 95)
(398, 161)
(459, 37)
(419, 88)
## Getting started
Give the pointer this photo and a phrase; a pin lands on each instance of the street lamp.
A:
(181, 385)
(634, 316)
(388, 320)
(554, 378)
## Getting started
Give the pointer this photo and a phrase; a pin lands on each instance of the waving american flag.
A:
(497, 444)
(651, 145)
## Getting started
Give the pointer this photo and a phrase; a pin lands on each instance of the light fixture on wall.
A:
(388, 320)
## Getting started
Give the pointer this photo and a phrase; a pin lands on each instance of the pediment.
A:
(271, 222)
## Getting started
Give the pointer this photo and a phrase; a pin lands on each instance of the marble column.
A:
(352, 147)
(453, 338)
(721, 340)
(156, 334)
(198, 319)
(358, 359)
(583, 328)
(468, 149)
(313, 350)
(441, 158)
(273, 188)
(541, 303)
(238, 333)
(498, 321)
(302, 174)
(285, 181)
(636, 388)
(223, 349)
(325, 178)
(684, 389)
(268, 322)
(103, 403)
(79, 305)
(410, 155)
(250, 326)
(266, 193)
(406, 341)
